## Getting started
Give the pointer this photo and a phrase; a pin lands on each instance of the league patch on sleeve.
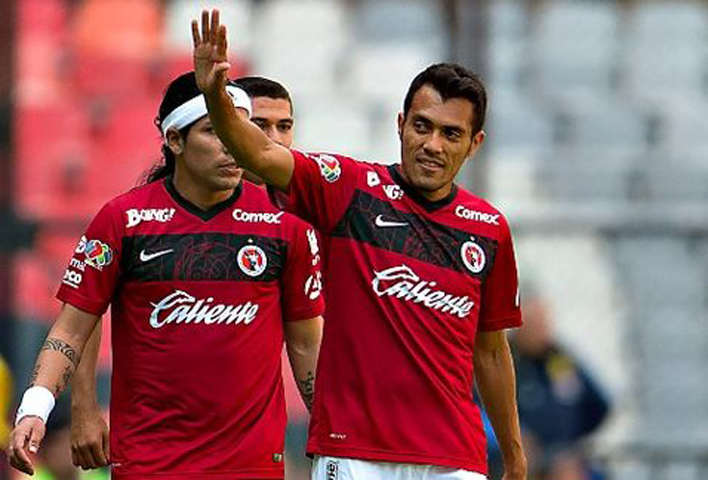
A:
(98, 254)
(330, 168)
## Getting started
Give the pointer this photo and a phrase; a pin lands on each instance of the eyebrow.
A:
(264, 119)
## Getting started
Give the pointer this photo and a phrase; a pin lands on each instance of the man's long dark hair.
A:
(451, 80)
(180, 90)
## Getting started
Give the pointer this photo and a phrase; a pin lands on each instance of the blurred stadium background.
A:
(597, 144)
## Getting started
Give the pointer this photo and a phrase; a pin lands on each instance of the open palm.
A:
(210, 58)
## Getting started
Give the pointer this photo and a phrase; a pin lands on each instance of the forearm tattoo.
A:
(65, 379)
(35, 374)
(307, 389)
(62, 347)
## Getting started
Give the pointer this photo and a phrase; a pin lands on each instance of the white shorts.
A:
(336, 468)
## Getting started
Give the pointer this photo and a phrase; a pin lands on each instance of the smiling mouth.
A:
(430, 163)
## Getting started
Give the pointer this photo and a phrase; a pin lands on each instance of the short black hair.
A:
(263, 87)
(451, 80)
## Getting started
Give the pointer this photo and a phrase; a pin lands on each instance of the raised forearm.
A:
(496, 382)
(246, 142)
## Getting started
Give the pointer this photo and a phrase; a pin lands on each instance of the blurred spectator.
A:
(559, 403)
(5, 404)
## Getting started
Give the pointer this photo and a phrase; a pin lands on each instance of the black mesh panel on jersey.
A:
(198, 256)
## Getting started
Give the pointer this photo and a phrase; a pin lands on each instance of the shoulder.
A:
(470, 207)
(331, 165)
(136, 195)
(147, 202)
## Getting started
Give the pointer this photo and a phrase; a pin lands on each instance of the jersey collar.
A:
(193, 209)
(416, 196)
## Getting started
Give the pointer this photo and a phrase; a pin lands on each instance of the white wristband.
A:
(37, 401)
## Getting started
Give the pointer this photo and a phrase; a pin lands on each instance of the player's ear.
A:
(174, 141)
(477, 141)
(401, 120)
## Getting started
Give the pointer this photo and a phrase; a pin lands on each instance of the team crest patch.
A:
(252, 260)
(473, 256)
(329, 166)
(98, 254)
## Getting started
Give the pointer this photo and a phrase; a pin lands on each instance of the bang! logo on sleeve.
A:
(252, 260)
(473, 256)
(98, 254)
(329, 166)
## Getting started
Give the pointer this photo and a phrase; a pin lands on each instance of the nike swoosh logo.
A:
(381, 222)
(146, 257)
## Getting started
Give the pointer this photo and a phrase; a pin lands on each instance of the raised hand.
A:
(25, 439)
(210, 59)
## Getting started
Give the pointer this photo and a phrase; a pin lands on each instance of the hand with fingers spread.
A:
(210, 58)
(25, 439)
(89, 439)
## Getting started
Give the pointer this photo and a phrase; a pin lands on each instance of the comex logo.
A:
(257, 217)
(467, 214)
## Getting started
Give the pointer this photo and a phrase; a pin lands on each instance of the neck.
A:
(197, 193)
(432, 196)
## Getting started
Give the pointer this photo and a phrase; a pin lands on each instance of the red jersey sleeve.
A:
(301, 283)
(90, 279)
(321, 187)
(500, 307)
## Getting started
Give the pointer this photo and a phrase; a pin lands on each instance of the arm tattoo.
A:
(65, 379)
(307, 389)
(62, 347)
(35, 374)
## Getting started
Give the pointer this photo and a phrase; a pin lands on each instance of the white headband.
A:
(195, 108)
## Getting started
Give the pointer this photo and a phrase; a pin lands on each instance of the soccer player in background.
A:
(205, 279)
(273, 113)
(421, 282)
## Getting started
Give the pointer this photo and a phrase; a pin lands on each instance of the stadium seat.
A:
(508, 44)
(578, 277)
(603, 124)
(416, 22)
(684, 124)
(52, 146)
(664, 54)
(127, 146)
(42, 17)
(659, 270)
(237, 15)
(382, 73)
(517, 125)
(300, 44)
(96, 29)
(575, 46)
(338, 127)
(586, 176)
(674, 182)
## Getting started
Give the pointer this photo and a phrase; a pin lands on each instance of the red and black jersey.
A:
(408, 284)
(198, 299)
